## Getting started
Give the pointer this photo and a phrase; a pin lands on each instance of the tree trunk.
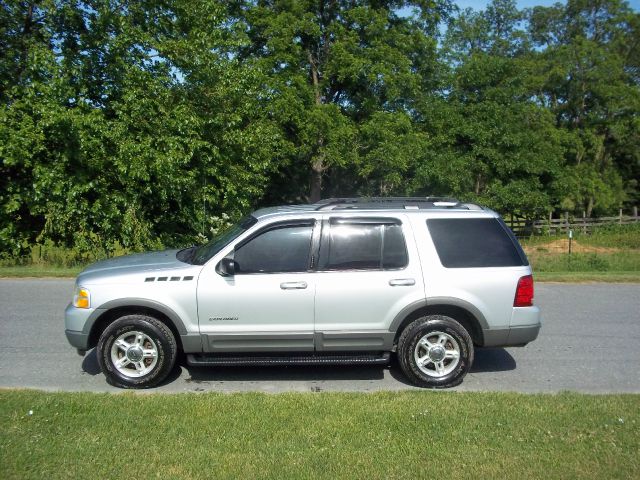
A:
(315, 182)
(590, 207)
(478, 184)
(318, 165)
(26, 33)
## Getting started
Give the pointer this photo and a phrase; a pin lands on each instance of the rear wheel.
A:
(435, 351)
(136, 351)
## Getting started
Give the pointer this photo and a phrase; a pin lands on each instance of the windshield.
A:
(202, 254)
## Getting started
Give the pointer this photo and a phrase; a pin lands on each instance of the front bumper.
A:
(79, 340)
(78, 322)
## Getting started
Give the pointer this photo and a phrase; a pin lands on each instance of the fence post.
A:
(584, 222)
(550, 217)
(566, 220)
(635, 213)
(570, 241)
(620, 221)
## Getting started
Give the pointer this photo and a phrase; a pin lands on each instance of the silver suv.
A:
(343, 281)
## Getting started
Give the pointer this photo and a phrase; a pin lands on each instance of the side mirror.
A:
(226, 267)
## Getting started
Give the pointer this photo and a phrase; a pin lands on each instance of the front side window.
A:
(362, 246)
(280, 249)
(201, 255)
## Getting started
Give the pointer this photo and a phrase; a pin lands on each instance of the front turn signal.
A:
(81, 298)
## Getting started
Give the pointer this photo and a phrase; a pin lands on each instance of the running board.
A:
(255, 361)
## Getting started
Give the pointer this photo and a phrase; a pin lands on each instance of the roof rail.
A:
(386, 203)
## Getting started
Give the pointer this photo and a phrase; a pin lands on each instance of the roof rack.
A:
(387, 203)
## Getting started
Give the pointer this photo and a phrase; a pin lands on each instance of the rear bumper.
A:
(525, 326)
(520, 336)
(511, 337)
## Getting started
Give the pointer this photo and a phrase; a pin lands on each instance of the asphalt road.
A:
(590, 342)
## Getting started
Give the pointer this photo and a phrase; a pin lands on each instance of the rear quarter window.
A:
(475, 242)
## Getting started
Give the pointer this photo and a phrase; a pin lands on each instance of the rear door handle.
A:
(293, 285)
(402, 282)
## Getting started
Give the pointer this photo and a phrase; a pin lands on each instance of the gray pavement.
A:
(590, 342)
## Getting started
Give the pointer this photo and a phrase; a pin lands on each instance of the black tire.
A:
(156, 336)
(454, 338)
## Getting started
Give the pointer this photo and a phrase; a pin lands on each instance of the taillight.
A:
(524, 292)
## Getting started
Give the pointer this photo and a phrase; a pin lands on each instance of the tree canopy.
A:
(138, 124)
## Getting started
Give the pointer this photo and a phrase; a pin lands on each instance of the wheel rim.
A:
(134, 354)
(437, 354)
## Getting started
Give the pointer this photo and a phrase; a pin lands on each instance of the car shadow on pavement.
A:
(486, 360)
(283, 373)
(199, 375)
(90, 363)
(492, 360)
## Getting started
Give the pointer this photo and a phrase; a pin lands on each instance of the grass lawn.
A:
(319, 435)
(39, 271)
(587, 277)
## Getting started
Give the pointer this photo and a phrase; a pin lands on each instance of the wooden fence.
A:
(559, 226)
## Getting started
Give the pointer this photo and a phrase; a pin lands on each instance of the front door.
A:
(267, 304)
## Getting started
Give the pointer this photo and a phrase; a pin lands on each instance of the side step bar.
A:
(255, 361)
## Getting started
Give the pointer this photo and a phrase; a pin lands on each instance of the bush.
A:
(52, 255)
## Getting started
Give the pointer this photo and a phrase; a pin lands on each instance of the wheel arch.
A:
(111, 311)
(466, 314)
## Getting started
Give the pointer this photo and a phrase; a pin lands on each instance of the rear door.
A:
(368, 271)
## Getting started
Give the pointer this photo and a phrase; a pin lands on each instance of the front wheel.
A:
(435, 351)
(136, 351)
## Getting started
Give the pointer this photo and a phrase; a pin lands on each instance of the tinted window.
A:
(284, 249)
(394, 253)
(474, 242)
(202, 254)
(362, 246)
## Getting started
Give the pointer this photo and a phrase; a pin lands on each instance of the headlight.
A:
(81, 298)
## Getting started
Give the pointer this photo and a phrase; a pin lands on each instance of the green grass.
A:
(39, 271)
(628, 261)
(610, 253)
(610, 236)
(322, 435)
(580, 277)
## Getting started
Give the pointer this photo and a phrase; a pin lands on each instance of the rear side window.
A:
(362, 246)
(474, 242)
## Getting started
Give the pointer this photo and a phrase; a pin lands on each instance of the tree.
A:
(491, 142)
(337, 68)
(588, 77)
(133, 124)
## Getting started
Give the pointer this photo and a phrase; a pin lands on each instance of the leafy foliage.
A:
(129, 125)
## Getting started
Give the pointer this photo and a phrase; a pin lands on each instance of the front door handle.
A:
(293, 285)
(402, 282)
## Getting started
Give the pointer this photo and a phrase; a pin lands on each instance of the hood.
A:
(139, 263)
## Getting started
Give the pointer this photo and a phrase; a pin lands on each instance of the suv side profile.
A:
(342, 281)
